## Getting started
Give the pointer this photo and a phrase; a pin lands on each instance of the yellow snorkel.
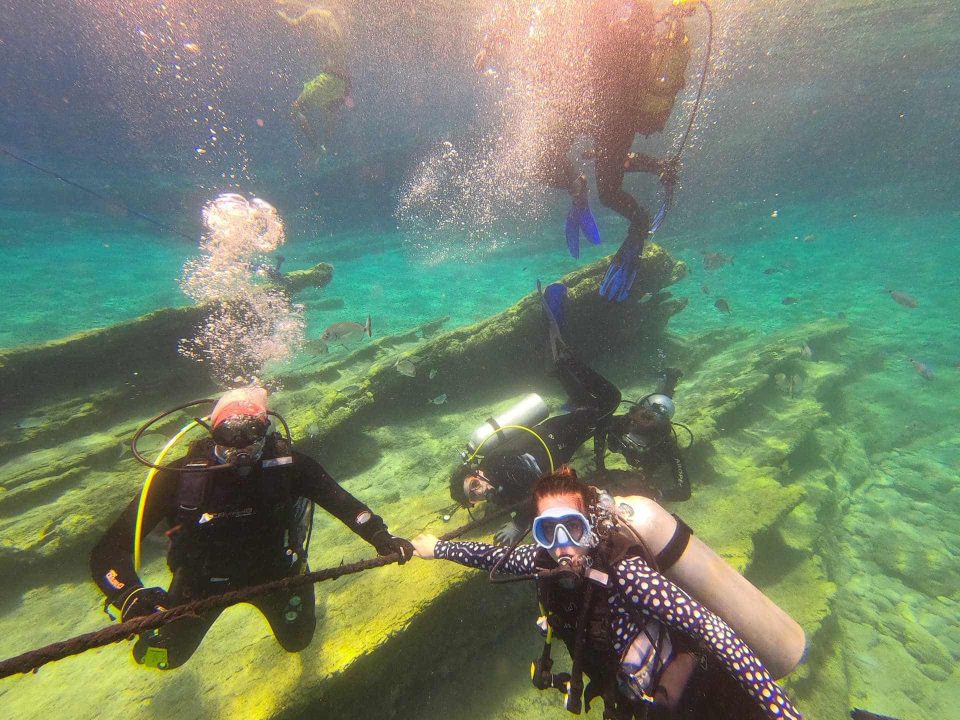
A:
(145, 492)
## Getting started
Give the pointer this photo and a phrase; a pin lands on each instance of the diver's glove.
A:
(143, 601)
(508, 534)
(387, 544)
(623, 269)
(579, 218)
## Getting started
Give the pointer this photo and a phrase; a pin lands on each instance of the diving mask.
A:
(240, 439)
(562, 526)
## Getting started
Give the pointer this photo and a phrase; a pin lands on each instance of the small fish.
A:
(344, 332)
(349, 389)
(841, 315)
(780, 378)
(29, 423)
(809, 238)
(317, 347)
(906, 300)
(806, 352)
(406, 367)
(775, 214)
(722, 305)
(923, 370)
(790, 300)
(772, 270)
(645, 298)
(438, 400)
(715, 260)
(313, 429)
(433, 373)
(704, 289)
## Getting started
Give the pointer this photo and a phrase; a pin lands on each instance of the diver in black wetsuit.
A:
(230, 528)
(646, 439)
(505, 474)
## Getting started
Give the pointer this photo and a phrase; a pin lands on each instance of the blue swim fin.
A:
(554, 299)
(589, 226)
(623, 269)
(573, 232)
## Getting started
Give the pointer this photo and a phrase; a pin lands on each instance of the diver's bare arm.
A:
(650, 592)
(483, 556)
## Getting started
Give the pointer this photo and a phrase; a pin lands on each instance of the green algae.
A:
(774, 492)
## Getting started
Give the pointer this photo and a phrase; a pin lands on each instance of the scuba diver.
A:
(637, 73)
(646, 438)
(661, 626)
(523, 443)
(240, 511)
(634, 73)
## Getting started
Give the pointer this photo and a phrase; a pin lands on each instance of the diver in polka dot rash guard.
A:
(649, 650)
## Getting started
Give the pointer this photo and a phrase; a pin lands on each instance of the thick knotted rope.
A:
(32, 660)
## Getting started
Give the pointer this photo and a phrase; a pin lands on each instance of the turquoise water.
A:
(823, 167)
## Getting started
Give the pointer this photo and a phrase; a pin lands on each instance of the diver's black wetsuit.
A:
(229, 531)
(515, 466)
(652, 448)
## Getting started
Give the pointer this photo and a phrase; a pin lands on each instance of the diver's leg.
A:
(611, 156)
(553, 166)
(585, 386)
(292, 615)
(328, 118)
(172, 645)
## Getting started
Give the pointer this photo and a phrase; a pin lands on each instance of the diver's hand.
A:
(144, 601)
(387, 544)
(669, 171)
(508, 534)
(425, 546)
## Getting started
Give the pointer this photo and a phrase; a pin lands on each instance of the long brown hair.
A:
(564, 482)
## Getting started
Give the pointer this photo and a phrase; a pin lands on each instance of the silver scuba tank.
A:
(530, 411)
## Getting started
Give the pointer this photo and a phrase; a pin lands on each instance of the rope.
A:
(102, 198)
(33, 660)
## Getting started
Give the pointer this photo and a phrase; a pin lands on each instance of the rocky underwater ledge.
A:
(789, 486)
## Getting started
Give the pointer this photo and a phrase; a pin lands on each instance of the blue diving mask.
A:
(558, 527)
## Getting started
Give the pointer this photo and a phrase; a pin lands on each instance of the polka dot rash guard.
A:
(637, 587)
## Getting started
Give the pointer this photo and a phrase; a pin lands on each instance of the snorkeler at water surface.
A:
(327, 94)
(240, 512)
(510, 464)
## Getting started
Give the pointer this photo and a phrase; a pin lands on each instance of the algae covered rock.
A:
(318, 276)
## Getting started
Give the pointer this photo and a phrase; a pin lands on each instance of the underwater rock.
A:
(318, 276)
(386, 445)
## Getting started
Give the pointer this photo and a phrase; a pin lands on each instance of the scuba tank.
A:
(530, 411)
(776, 638)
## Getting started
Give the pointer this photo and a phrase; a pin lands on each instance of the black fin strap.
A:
(675, 546)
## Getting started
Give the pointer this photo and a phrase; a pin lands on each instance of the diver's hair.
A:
(565, 482)
(456, 485)
(644, 419)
